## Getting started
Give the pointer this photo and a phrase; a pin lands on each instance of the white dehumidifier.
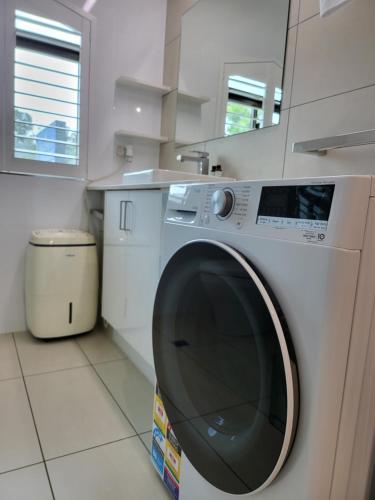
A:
(61, 286)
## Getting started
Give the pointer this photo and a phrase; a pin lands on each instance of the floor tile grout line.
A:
(56, 371)
(110, 361)
(172, 40)
(33, 417)
(138, 434)
(49, 479)
(22, 467)
(107, 388)
(46, 460)
(91, 448)
(88, 363)
(305, 19)
(10, 378)
(117, 403)
(144, 444)
(144, 432)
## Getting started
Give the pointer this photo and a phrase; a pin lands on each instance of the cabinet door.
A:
(131, 264)
(143, 218)
(130, 276)
(132, 217)
(113, 289)
(116, 203)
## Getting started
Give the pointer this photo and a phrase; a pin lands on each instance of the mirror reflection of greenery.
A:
(242, 118)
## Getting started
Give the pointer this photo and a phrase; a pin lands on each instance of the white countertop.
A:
(150, 179)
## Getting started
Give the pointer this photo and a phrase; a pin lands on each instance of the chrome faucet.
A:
(201, 160)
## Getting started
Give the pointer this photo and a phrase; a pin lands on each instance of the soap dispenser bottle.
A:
(219, 171)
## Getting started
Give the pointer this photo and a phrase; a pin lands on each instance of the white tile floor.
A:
(75, 421)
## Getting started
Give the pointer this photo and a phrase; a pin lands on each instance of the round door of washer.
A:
(225, 367)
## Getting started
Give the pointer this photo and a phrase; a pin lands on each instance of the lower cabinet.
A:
(131, 267)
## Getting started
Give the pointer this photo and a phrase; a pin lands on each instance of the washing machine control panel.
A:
(229, 204)
(324, 211)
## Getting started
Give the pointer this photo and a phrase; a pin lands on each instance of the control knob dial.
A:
(222, 203)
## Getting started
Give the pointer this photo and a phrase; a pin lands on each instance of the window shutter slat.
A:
(46, 90)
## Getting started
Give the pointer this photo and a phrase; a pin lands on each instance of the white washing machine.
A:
(263, 339)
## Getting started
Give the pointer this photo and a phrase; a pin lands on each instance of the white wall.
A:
(129, 39)
(329, 89)
(28, 203)
(129, 42)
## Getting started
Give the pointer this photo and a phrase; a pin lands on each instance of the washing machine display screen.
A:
(222, 370)
(299, 207)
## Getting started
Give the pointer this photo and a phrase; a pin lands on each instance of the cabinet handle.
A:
(128, 222)
(124, 216)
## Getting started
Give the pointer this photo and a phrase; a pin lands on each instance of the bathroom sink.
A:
(151, 179)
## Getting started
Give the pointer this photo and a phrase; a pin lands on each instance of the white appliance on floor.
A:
(61, 284)
(264, 346)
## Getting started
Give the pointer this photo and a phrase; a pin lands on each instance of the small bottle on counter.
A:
(213, 170)
(219, 171)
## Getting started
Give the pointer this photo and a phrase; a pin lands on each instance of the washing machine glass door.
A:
(225, 367)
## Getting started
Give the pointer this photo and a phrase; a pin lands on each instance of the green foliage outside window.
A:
(241, 118)
(24, 129)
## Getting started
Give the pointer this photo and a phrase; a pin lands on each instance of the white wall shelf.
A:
(183, 142)
(177, 105)
(191, 97)
(126, 81)
(141, 138)
(321, 146)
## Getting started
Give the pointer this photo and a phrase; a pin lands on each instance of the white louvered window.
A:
(47, 81)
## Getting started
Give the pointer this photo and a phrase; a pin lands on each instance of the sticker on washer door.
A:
(171, 483)
(172, 454)
(166, 451)
(157, 456)
(160, 417)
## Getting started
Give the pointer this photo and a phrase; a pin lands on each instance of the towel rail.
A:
(321, 146)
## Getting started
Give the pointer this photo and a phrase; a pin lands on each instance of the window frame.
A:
(63, 12)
